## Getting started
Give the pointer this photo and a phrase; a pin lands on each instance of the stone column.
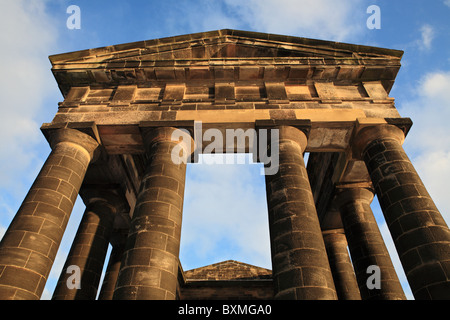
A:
(366, 245)
(29, 246)
(149, 268)
(420, 234)
(112, 272)
(299, 259)
(89, 248)
(341, 266)
(118, 241)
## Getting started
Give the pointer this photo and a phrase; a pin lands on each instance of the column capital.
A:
(68, 135)
(365, 135)
(111, 196)
(293, 134)
(294, 130)
(346, 195)
(180, 136)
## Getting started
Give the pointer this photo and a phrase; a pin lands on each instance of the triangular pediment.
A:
(228, 270)
(223, 44)
(224, 55)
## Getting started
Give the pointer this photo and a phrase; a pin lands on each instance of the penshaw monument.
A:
(112, 142)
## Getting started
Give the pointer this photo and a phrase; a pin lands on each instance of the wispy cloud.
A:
(447, 3)
(27, 38)
(427, 34)
(325, 19)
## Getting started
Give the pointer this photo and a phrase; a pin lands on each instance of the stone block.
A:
(249, 73)
(224, 73)
(199, 73)
(99, 95)
(77, 94)
(174, 92)
(275, 91)
(124, 94)
(299, 72)
(224, 92)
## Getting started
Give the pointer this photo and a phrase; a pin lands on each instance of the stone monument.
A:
(112, 144)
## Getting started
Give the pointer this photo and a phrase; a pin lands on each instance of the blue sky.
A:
(218, 196)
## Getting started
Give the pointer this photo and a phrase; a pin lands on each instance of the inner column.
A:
(366, 244)
(341, 266)
(150, 261)
(299, 260)
(89, 247)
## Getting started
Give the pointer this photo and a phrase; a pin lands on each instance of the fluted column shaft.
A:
(29, 246)
(88, 250)
(149, 268)
(366, 245)
(420, 234)
(299, 259)
(341, 266)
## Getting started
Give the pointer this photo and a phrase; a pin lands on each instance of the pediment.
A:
(222, 44)
(228, 270)
(225, 55)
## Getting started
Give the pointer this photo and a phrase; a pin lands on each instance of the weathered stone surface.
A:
(150, 260)
(225, 79)
(227, 270)
(420, 234)
(366, 244)
(89, 247)
(34, 235)
(300, 265)
(341, 266)
(227, 280)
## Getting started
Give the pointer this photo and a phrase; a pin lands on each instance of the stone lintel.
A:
(303, 125)
(181, 124)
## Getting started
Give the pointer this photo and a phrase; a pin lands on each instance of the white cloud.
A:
(225, 216)
(324, 19)
(427, 35)
(27, 38)
(447, 3)
(199, 16)
(427, 143)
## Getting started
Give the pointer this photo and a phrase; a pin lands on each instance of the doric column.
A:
(89, 247)
(366, 245)
(299, 259)
(29, 246)
(420, 234)
(341, 266)
(149, 268)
